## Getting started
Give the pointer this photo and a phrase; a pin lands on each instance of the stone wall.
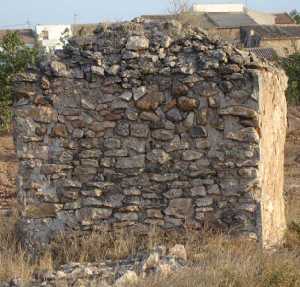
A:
(149, 124)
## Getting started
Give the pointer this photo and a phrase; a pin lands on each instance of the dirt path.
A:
(8, 171)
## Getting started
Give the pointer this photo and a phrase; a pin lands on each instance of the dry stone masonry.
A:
(151, 124)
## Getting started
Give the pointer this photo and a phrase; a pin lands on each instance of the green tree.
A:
(295, 15)
(14, 58)
(292, 68)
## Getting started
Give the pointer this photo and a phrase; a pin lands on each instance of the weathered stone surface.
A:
(240, 111)
(136, 43)
(59, 69)
(180, 208)
(163, 135)
(174, 115)
(151, 129)
(158, 155)
(191, 155)
(133, 162)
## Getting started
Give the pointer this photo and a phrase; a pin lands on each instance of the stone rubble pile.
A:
(121, 273)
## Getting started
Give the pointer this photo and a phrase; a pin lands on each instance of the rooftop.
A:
(274, 32)
(231, 20)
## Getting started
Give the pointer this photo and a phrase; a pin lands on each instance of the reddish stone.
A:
(112, 117)
(170, 105)
(60, 131)
(180, 90)
(150, 101)
(187, 104)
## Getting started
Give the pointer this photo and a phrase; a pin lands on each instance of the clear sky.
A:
(15, 12)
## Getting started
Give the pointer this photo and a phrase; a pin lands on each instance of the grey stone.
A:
(132, 162)
(137, 43)
(190, 155)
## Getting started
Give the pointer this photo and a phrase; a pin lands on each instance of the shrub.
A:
(292, 68)
(14, 58)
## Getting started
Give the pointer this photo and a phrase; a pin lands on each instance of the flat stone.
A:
(131, 216)
(205, 201)
(190, 155)
(158, 155)
(244, 135)
(89, 214)
(173, 193)
(180, 208)
(139, 130)
(163, 135)
(136, 43)
(198, 191)
(240, 111)
(132, 162)
(164, 177)
(149, 116)
(135, 144)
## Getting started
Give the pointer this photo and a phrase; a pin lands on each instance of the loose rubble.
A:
(120, 273)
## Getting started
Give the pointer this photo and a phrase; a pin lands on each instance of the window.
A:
(45, 35)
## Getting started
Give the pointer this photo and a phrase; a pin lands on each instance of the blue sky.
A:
(15, 12)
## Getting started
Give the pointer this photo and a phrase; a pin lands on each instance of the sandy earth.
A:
(9, 167)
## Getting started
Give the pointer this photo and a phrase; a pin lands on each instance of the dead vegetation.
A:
(217, 260)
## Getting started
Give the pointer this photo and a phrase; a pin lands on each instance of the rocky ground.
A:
(120, 273)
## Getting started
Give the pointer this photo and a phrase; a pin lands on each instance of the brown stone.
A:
(60, 131)
(42, 210)
(187, 104)
(180, 90)
(150, 101)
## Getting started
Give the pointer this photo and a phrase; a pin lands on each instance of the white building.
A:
(217, 8)
(50, 36)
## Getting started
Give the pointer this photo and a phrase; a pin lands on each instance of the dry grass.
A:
(14, 262)
(217, 259)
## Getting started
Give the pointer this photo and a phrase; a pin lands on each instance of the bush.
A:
(15, 57)
(292, 68)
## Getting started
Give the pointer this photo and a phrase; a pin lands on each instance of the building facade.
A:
(52, 37)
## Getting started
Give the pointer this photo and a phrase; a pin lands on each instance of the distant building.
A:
(216, 8)
(266, 34)
(284, 39)
(50, 36)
